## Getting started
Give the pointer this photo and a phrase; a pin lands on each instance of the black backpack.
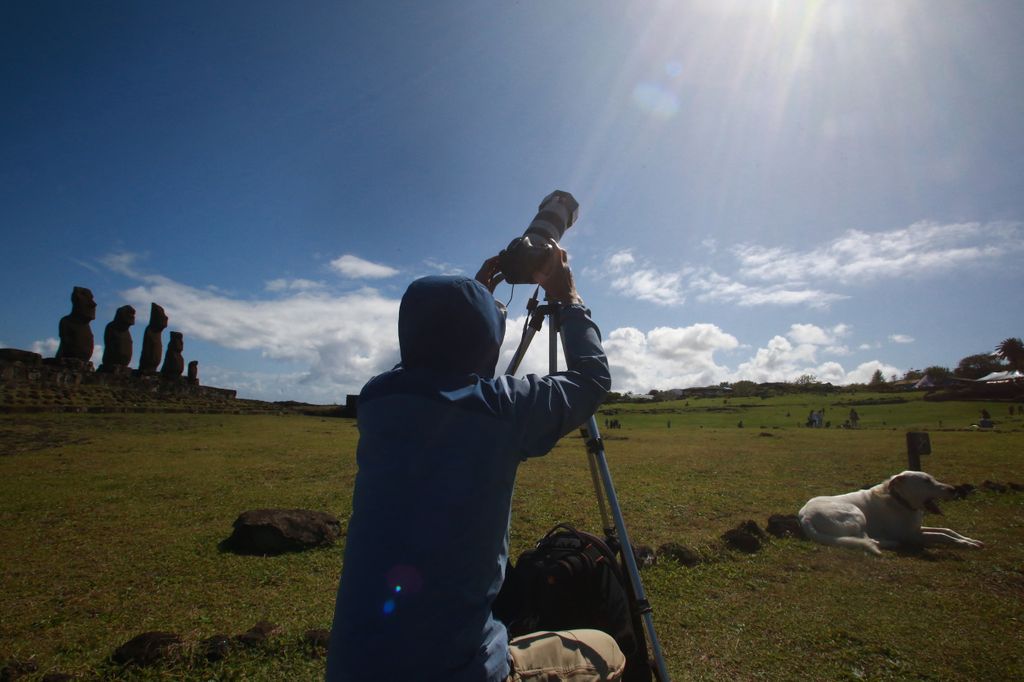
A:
(572, 579)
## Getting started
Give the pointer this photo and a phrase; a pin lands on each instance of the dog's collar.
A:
(902, 500)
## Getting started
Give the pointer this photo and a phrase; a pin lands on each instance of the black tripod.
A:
(615, 533)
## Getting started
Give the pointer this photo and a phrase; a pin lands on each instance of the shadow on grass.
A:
(924, 554)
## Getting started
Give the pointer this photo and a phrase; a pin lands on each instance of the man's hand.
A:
(556, 278)
(487, 275)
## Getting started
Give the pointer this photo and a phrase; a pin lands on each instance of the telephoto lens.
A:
(555, 215)
(526, 255)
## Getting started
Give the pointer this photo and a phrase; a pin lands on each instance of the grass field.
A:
(110, 524)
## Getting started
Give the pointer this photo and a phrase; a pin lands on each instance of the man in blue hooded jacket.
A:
(440, 440)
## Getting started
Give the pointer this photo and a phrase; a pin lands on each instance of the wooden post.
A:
(918, 443)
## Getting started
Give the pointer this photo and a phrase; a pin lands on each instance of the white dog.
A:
(887, 516)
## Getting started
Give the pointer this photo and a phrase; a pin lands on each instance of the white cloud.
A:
(666, 357)
(922, 249)
(810, 333)
(715, 287)
(779, 360)
(651, 286)
(344, 340)
(122, 262)
(864, 371)
(46, 347)
(289, 285)
(618, 261)
(644, 282)
(772, 275)
(354, 267)
(443, 268)
(901, 338)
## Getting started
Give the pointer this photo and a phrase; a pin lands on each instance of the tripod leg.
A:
(627, 550)
(591, 443)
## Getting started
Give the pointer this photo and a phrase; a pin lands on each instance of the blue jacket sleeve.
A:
(547, 408)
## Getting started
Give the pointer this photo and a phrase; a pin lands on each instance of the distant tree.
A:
(1012, 351)
(806, 380)
(977, 366)
(913, 375)
(936, 373)
(743, 388)
(877, 379)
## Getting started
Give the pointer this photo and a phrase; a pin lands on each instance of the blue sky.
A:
(767, 189)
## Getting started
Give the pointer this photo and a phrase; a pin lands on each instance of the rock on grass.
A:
(275, 531)
(147, 648)
(785, 526)
(745, 537)
(679, 553)
(258, 634)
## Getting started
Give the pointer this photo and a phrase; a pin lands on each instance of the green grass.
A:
(109, 526)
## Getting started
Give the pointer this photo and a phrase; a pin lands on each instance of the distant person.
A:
(854, 418)
(428, 538)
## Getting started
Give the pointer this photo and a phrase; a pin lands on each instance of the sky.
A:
(767, 189)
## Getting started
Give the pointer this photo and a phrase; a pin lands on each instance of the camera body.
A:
(526, 255)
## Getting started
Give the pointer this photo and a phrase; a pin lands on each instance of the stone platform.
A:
(29, 383)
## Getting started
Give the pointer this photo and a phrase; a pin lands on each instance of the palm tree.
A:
(1012, 350)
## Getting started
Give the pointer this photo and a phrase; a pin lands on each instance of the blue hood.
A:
(450, 325)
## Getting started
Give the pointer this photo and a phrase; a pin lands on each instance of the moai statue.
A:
(193, 372)
(75, 334)
(152, 344)
(117, 340)
(174, 364)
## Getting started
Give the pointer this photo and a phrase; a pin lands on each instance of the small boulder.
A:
(215, 648)
(147, 648)
(785, 526)
(745, 537)
(258, 634)
(644, 556)
(963, 490)
(317, 641)
(679, 553)
(274, 531)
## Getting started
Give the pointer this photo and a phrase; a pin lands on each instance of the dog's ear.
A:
(896, 481)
